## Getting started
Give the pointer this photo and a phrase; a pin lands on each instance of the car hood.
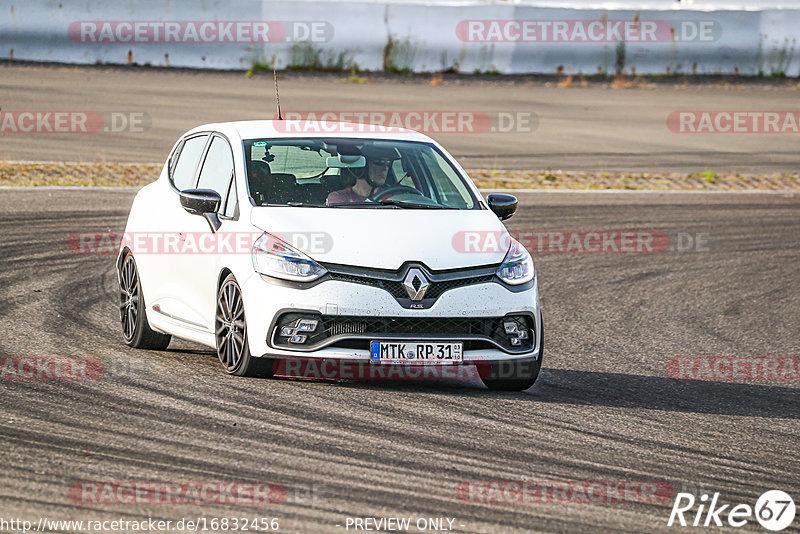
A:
(385, 238)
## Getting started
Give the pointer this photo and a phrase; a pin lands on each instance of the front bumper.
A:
(265, 301)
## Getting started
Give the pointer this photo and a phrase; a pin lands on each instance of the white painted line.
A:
(650, 191)
(34, 162)
(68, 188)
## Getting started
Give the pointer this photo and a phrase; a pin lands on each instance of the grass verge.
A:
(139, 174)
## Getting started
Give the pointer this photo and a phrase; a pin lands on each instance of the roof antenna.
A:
(277, 95)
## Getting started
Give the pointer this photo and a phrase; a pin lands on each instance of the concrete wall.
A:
(415, 37)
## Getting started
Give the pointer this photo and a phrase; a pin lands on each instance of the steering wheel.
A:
(391, 191)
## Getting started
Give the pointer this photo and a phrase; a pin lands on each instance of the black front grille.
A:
(437, 288)
(395, 288)
(439, 284)
(357, 331)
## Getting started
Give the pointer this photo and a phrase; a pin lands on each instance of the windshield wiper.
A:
(415, 205)
(291, 204)
(359, 205)
(388, 203)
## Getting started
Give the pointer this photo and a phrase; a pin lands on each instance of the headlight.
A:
(517, 267)
(273, 257)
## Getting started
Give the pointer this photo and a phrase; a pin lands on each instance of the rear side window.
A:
(183, 175)
(217, 169)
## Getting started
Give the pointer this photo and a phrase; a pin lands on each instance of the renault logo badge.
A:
(416, 284)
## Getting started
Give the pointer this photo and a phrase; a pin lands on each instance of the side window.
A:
(183, 175)
(451, 189)
(230, 207)
(173, 159)
(400, 173)
(217, 169)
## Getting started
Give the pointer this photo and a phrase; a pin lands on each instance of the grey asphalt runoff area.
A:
(515, 125)
(605, 407)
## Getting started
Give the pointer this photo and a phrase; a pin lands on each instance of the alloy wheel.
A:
(129, 298)
(230, 326)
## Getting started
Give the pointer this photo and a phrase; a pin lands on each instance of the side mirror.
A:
(502, 205)
(203, 202)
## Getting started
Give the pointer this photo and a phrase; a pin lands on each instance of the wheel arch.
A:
(223, 274)
(122, 253)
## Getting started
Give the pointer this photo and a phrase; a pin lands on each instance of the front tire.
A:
(230, 331)
(513, 375)
(136, 330)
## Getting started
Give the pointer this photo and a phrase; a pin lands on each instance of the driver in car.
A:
(369, 180)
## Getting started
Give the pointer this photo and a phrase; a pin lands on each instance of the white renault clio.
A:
(271, 240)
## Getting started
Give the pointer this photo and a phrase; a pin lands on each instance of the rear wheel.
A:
(513, 375)
(230, 328)
(136, 330)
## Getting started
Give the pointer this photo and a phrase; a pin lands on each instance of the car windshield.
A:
(353, 173)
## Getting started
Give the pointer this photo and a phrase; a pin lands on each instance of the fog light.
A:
(523, 334)
(516, 342)
(307, 325)
(511, 327)
(287, 331)
(297, 338)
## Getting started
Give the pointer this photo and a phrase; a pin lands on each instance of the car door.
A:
(200, 262)
(169, 221)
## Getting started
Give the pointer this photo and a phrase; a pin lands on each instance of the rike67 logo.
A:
(774, 510)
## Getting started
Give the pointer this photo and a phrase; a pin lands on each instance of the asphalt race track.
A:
(604, 408)
(534, 125)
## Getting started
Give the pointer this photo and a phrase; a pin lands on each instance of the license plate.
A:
(422, 352)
